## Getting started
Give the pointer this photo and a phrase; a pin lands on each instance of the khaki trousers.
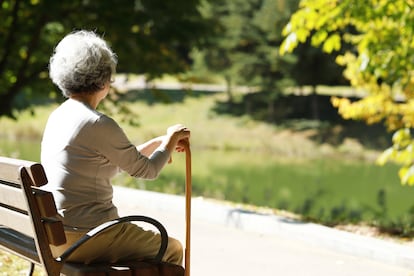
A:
(121, 242)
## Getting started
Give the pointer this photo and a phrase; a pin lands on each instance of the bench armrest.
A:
(95, 231)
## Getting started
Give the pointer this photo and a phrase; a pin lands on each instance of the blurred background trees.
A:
(237, 40)
(151, 37)
(245, 51)
(242, 42)
(380, 62)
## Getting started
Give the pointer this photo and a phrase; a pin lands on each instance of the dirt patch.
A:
(374, 232)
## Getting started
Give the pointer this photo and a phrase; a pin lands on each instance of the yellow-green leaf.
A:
(332, 43)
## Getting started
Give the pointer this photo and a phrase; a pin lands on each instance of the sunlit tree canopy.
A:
(151, 37)
(380, 64)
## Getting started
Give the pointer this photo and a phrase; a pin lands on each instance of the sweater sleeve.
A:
(111, 141)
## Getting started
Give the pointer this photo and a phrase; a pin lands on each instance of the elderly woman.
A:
(82, 149)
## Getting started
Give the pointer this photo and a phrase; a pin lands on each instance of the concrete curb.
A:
(318, 235)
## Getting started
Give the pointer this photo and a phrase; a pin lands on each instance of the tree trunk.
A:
(229, 89)
(314, 104)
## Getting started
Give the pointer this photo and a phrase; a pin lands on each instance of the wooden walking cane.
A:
(187, 207)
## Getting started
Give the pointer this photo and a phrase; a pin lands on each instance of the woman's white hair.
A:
(82, 62)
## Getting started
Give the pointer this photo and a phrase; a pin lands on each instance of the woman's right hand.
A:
(178, 132)
(175, 135)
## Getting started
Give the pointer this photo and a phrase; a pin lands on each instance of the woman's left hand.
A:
(180, 147)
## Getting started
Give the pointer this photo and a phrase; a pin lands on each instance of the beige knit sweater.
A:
(82, 150)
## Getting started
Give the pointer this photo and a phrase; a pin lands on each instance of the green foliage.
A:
(245, 51)
(150, 36)
(380, 63)
(401, 152)
(245, 47)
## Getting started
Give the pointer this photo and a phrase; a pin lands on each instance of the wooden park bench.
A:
(28, 225)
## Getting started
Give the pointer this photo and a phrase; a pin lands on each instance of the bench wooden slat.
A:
(19, 244)
(9, 170)
(12, 196)
(46, 203)
(17, 221)
(55, 232)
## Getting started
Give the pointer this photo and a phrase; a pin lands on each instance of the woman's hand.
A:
(179, 137)
(182, 144)
(178, 133)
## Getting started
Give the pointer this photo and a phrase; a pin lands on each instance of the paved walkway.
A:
(229, 241)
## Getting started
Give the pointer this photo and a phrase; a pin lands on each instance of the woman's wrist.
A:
(170, 142)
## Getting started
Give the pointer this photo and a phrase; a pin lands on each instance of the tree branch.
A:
(10, 38)
(34, 41)
(23, 77)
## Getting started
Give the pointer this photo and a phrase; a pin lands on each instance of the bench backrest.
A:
(28, 209)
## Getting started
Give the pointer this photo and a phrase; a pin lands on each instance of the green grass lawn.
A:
(245, 161)
(323, 190)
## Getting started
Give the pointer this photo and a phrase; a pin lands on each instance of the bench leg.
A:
(31, 269)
